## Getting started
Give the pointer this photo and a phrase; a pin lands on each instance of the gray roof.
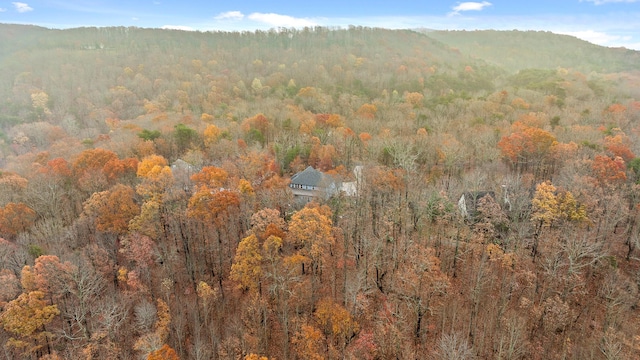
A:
(182, 165)
(475, 196)
(311, 177)
(470, 200)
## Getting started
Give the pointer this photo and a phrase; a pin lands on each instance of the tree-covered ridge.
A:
(145, 210)
(359, 61)
(517, 50)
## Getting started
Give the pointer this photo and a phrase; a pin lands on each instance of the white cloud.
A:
(632, 45)
(601, 2)
(230, 15)
(470, 6)
(3, 10)
(178, 27)
(281, 20)
(603, 39)
(238, 20)
(22, 7)
(592, 36)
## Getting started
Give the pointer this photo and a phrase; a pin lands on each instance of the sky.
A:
(613, 23)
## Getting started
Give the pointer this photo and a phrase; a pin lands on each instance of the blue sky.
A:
(603, 22)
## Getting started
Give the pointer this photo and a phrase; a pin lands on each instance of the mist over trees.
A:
(145, 207)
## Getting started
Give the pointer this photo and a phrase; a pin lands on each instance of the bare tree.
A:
(453, 347)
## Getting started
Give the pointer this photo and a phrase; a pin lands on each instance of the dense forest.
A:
(146, 212)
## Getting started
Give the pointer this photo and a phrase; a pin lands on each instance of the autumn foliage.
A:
(609, 171)
(26, 318)
(112, 209)
(164, 353)
(551, 206)
(147, 208)
(16, 218)
(213, 206)
(246, 268)
(526, 144)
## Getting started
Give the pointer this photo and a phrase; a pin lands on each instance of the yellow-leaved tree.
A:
(310, 232)
(156, 177)
(552, 207)
(308, 343)
(336, 322)
(26, 319)
(545, 204)
(246, 269)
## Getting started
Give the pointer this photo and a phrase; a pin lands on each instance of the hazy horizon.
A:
(611, 23)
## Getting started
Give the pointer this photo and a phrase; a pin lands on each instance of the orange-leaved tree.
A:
(414, 99)
(52, 276)
(164, 353)
(332, 120)
(528, 147)
(213, 207)
(619, 145)
(58, 167)
(92, 159)
(88, 169)
(210, 176)
(609, 171)
(112, 210)
(15, 218)
(257, 128)
(115, 169)
(367, 111)
(253, 356)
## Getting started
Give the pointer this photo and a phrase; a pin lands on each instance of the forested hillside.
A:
(145, 207)
(517, 50)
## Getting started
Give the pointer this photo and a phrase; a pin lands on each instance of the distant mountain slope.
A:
(117, 70)
(19, 37)
(516, 50)
(90, 62)
(369, 43)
